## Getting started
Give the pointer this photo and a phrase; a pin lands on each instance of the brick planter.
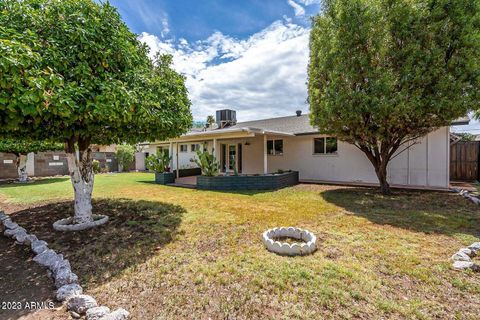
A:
(250, 182)
(188, 172)
(164, 178)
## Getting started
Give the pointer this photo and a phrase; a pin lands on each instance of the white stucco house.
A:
(291, 143)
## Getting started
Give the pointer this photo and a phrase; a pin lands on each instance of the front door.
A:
(232, 157)
(229, 157)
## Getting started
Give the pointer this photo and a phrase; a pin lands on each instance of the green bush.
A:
(96, 166)
(207, 163)
(125, 155)
(159, 162)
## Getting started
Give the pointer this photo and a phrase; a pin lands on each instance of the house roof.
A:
(287, 126)
(461, 121)
(297, 125)
(290, 125)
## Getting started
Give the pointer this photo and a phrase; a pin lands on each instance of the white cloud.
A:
(310, 2)
(299, 10)
(260, 77)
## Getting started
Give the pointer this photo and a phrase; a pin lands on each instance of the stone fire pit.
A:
(307, 246)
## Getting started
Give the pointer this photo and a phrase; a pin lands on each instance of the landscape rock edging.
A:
(467, 195)
(66, 282)
(462, 259)
(294, 249)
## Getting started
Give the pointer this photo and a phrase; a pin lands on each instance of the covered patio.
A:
(241, 150)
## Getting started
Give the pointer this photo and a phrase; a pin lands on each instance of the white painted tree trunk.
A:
(22, 168)
(82, 176)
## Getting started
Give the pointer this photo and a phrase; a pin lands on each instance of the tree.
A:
(74, 72)
(21, 148)
(210, 121)
(384, 73)
(125, 156)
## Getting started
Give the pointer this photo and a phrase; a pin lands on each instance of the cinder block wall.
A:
(52, 163)
(7, 166)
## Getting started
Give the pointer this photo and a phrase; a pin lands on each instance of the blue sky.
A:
(196, 20)
(248, 55)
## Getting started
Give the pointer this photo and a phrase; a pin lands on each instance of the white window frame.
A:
(273, 145)
(198, 146)
(186, 148)
(330, 154)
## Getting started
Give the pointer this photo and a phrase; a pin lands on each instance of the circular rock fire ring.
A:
(307, 246)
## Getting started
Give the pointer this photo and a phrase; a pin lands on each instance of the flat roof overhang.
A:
(234, 133)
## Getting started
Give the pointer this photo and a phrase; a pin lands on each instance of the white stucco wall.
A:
(31, 164)
(423, 164)
(140, 161)
(183, 157)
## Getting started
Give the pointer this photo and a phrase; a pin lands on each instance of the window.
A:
(184, 148)
(275, 147)
(325, 145)
(164, 150)
(194, 147)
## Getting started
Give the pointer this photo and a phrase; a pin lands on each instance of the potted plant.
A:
(160, 164)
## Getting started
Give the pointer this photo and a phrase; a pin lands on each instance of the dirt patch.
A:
(136, 229)
(26, 291)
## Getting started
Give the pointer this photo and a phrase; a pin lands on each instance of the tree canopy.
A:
(19, 147)
(73, 69)
(383, 73)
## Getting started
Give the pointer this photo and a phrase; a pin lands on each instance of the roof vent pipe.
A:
(299, 113)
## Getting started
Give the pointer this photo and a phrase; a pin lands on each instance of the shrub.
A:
(207, 163)
(159, 162)
(125, 155)
(96, 166)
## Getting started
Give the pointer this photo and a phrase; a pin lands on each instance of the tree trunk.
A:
(82, 176)
(22, 168)
(381, 171)
(379, 160)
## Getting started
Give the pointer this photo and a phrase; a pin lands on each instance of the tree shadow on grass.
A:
(420, 211)
(136, 230)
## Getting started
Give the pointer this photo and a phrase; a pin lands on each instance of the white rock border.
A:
(467, 195)
(462, 259)
(294, 249)
(66, 224)
(66, 282)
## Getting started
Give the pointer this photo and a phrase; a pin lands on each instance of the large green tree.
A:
(384, 73)
(72, 71)
(21, 148)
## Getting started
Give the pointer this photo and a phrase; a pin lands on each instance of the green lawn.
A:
(179, 253)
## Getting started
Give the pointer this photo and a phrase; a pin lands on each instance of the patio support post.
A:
(265, 158)
(215, 151)
(176, 157)
(170, 153)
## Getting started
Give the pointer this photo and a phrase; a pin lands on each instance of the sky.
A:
(248, 55)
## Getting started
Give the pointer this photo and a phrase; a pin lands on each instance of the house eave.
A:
(245, 132)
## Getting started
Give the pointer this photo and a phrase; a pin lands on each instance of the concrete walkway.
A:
(185, 182)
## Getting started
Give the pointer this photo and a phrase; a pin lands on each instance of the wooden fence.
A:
(465, 161)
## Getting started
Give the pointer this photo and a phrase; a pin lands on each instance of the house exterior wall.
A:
(424, 164)
(183, 157)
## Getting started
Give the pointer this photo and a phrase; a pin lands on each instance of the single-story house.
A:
(292, 143)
